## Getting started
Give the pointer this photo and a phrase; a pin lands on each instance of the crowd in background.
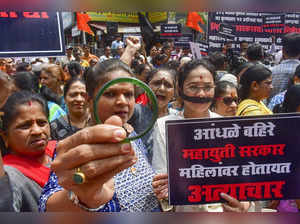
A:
(46, 112)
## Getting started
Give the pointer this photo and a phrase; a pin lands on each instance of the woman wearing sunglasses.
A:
(226, 99)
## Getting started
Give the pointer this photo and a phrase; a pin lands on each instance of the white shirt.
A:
(159, 160)
(103, 58)
(116, 44)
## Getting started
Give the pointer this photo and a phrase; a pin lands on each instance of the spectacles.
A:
(196, 89)
(229, 100)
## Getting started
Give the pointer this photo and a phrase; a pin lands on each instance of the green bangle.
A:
(139, 83)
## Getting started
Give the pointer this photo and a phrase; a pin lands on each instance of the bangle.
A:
(74, 199)
(139, 83)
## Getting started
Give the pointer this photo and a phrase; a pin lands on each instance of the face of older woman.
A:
(162, 85)
(29, 132)
(117, 100)
(76, 98)
(49, 80)
(226, 105)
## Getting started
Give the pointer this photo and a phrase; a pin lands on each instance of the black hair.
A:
(296, 74)
(256, 73)
(86, 46)
(228, 42)
(222, 86)
(134, 64)
(76, 51)
(138, 70)
(22, 67)
(218, 59)
(49, 95)
(220, 90)
(70, 83)
(173, 73)
(291, 44)
(243, 41)
(159, 57)
(291, 101)
(10, 108)
(186, 69)
(85, 73)
(255, 52)
(37, 73)
(166, 45)
(244, 64)
(74, 68)
(173, 64)
(26, 81)
(96, 74)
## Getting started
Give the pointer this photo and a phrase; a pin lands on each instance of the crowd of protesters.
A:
(49, 132)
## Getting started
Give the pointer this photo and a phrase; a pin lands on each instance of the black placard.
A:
(170, 30)
(227, 31)
(248, 27)
(26, 34)
(250, 158)
(274, 23)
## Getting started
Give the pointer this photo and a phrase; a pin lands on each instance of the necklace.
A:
(71, 127)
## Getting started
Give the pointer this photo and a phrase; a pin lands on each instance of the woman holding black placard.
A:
(196, 84)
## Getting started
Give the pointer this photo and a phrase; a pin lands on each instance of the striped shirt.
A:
(281, 75)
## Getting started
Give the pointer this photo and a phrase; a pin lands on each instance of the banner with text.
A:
(127, 17)
(274, 23)
(184, 40)
(170, 30)
(251, 27)
(253, 158)
(26, 34)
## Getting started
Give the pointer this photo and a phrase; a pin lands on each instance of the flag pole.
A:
(84, 37)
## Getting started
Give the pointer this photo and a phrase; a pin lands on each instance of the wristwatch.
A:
(73, 197)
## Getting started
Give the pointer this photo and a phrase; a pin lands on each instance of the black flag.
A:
(147, 31)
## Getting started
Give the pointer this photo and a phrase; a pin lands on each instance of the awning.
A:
(99, 27)
(121, 28)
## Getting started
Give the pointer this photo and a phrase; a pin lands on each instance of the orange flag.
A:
(82, 23)
(192, 21)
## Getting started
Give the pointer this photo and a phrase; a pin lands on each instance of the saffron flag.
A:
(192, 21)
(82, 23)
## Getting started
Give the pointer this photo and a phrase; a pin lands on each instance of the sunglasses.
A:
(228, 100)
